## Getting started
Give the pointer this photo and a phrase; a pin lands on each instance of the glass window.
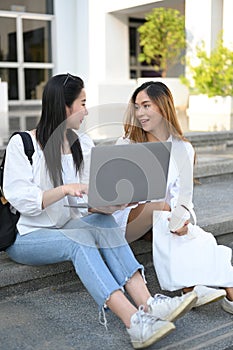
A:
(23, 121)
(138, 69)
(8, 48)
(31, 122)
(11, 77)
(13, 90)
(150, 73)
(133, 45)
(133, 74)
(37, 41)
(34, 82)
(14, 124)
(41, 6)
(26, 60)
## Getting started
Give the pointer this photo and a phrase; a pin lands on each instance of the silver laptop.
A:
(121, 174)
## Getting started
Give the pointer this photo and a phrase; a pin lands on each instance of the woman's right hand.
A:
(179, 219)
(75, 189)
(53, 195)
(183, 230)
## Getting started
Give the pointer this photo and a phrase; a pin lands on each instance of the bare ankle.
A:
(229, 292)
(187, 289)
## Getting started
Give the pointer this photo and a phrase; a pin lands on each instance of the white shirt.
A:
(24, 184)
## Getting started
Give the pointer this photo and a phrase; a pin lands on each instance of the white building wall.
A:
(93, 41)
(112, 5)
(228, 23)
(203, 21)
(117, 47)
(94, 45)
(65, 55)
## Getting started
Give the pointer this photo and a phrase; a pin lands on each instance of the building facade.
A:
(97, 40)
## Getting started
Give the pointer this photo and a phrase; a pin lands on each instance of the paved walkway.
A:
(64, 317)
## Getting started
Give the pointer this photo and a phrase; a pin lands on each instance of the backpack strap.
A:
(28, 149)
(27, 143)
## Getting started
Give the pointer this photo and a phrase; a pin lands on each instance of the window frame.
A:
(138, 67)
(20, 65)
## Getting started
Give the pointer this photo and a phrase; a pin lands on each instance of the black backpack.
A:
(8, 218)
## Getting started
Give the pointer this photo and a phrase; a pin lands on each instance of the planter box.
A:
(210, 113)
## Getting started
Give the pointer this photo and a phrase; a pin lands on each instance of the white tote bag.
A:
(189, 260)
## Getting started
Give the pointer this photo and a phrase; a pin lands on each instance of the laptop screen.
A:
(121, 174)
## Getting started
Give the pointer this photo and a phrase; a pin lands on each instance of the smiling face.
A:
(149, 116)
(77, 111)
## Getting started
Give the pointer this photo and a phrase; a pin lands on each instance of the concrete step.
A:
(65, 317)
(214, 154)
(18, 279)
(214, 151)
(213, 206)
(210, 141)
(213, 165)
(213, 203)
(213, 200)
(209, 165)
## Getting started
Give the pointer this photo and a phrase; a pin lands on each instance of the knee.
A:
(105, 221)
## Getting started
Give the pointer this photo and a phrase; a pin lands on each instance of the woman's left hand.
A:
(108, 210)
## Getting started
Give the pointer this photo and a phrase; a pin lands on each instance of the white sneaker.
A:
(170, 309)
(227, 305)
(145, 329)
(208, 295)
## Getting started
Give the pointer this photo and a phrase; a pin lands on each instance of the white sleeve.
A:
(18, 185)
(184, 159)
(123, 141)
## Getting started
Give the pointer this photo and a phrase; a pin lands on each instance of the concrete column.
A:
(227, 22)
(108, 58)
(65, 56)
(117, 47)
(94, 44)
(203, 21)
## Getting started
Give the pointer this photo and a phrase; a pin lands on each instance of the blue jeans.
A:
(96, 246)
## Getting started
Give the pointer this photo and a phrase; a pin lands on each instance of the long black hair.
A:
(60, 91)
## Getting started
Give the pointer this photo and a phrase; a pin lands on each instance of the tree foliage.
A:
(213, 75)
(162, 38)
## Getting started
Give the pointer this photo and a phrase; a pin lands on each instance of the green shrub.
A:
(162, 38)
(213, 76)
